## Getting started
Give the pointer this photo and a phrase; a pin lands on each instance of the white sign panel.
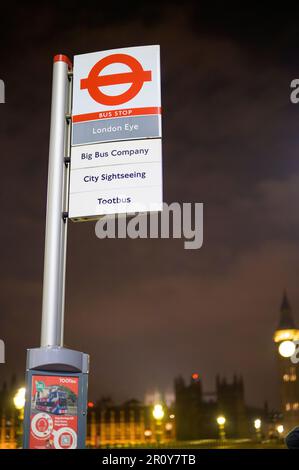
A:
(116, 153)
(115, 201)
(118, 176)
(116, 95)
(128, 174)
(116, 159)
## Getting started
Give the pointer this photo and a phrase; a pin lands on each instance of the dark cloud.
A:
(147, 310)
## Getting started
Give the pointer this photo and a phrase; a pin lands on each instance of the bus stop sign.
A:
(136, 78)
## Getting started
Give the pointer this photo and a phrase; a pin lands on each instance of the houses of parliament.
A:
(193, 413)
(196, 411)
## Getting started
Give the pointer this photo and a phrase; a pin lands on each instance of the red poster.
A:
(54, 412)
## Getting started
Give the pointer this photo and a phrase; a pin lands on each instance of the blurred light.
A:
(158, 412)
(221, 420)
(195, 376)
(19, 398)
(282, 335)
(171, 416)
(286, 348)
(90, 404)
(148, 433)
(280, 429)
(257, 423)
(168, 426)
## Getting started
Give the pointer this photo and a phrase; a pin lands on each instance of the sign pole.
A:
(56, 226)
(56, 377)
(65, 202)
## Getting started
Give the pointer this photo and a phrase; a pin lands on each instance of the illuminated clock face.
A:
(286, 348)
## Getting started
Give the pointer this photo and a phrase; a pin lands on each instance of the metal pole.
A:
(55, 238)
(65, 203)
(52, 355)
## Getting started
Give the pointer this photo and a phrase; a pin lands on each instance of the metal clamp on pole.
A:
(65, 216)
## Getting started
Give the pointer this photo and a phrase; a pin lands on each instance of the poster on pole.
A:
(54, 412)
(116, 155)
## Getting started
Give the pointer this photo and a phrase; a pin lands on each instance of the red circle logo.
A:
(137, 76)
(42, 425)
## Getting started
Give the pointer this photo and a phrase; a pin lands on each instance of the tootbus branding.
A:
(54, 412)
(67, 380)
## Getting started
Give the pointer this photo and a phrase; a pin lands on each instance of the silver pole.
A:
(55, 238)
(65, 204)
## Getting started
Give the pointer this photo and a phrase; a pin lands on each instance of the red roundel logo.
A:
(42, 425)
(137, 76)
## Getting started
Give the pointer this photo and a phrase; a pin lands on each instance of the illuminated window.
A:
(293, 378)
(286, 377)
(288, 407)
(296, 406)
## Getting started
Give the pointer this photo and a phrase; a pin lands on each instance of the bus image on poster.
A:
(54, 412)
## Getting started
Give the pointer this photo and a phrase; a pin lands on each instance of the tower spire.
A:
(286, 321)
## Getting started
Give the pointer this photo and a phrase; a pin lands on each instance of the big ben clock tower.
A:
(283, 337)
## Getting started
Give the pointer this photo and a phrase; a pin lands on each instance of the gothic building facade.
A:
(288, 372)
(197, 412)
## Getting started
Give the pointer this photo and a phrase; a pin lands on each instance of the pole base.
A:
(56, 398)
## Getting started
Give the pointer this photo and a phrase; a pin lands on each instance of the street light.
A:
(19, 402)
(221, 422)
(280, 429)
(168, 427)
(258, 425)
(158, 414)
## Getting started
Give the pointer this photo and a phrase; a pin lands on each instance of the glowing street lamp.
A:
(168, 427)
(257, 423)
(19, 401)
(221, 420)
(158, 414)
(257, 426)
(221, 423)
(280, 429)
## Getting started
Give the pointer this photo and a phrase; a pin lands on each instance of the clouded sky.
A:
(148, 310)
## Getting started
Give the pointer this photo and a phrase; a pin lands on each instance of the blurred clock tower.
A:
(284, 336)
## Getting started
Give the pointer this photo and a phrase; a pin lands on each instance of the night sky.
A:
(148, 310)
